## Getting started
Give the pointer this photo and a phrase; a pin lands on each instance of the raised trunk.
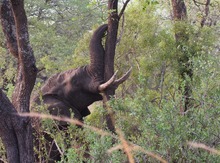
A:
(97, 53)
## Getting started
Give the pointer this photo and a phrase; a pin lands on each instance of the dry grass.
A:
(126, 146)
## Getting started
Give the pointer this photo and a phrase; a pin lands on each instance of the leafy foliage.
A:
(148, 106)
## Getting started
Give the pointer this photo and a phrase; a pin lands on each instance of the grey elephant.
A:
(76, 89)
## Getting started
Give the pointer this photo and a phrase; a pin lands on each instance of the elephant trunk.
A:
(97, 53)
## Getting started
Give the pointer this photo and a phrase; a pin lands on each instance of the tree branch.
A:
(27, 70)
(7, 132)
(123, 9)
(122, 29)
(8, 26)
(204, 18)
(198, 3)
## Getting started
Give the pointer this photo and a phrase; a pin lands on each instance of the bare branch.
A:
(8, 26)
(203, 146)
(122, 29)
(123, 9)
(206, 13)
(198, 3)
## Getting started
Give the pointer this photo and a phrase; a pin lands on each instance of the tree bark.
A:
(110, 46)
(13, 132)
(113, 22)
(27, 70)
(16, 131)
(8, 27)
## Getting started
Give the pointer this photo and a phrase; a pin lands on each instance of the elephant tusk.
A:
(123, 78)
(113, 82)
(105, 85)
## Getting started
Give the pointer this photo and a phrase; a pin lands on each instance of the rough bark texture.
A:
(13, 132)
(185, 70)
(16, 131)
(179, 9)
(110, 47)
(8, 27)
(7, 131)
(26, 62)
(113, 22)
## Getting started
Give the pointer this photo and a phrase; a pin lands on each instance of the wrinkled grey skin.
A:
(76, 89)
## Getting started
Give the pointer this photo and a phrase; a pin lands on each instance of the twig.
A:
(123, 9)
(127, 148)
(205, 147)
(198, 3)
(206, 13)
(122, 29)
(60, 151)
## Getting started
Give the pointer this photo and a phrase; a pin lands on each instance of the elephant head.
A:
(76, 89)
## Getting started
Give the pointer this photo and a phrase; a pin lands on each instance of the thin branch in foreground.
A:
(66, 119)
(126, 145)
(203, 146)
(151, 154)
(117, 147)
(127, 148)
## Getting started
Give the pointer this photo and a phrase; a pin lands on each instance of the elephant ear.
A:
(54, 85)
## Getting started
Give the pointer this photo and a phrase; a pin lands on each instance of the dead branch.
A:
(123, 9)
(122, 29)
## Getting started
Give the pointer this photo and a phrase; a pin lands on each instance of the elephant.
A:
(74, 90)
(78, 88)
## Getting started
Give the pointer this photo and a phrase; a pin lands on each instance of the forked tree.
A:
(16, 131)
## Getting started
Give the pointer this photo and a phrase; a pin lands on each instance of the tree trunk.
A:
(185, 70)
(113, 21)
(16, 131)
(110, 47)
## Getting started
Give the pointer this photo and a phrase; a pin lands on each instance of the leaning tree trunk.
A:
(16, 131)
(110, 47)
(181, 36)
(113, 22)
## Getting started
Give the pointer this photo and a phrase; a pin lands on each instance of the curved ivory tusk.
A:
(123, 78)
(105, 85)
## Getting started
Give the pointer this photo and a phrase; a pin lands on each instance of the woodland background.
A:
(149, 106)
